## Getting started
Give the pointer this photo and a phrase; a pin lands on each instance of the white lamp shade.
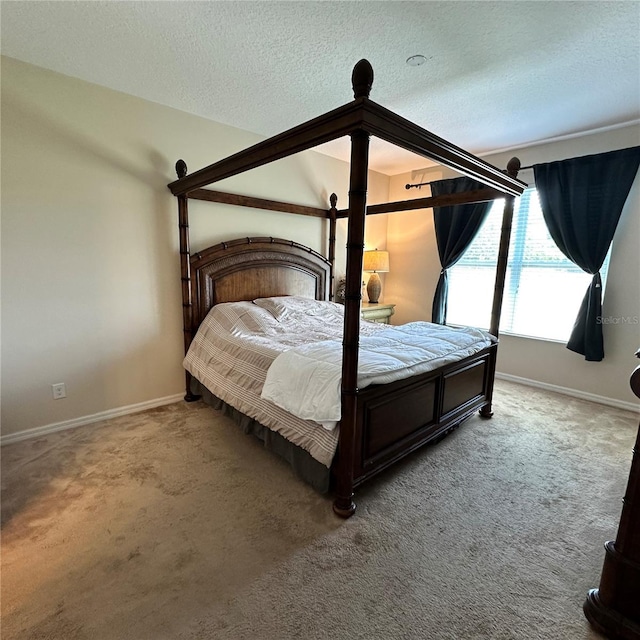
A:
(376, 261)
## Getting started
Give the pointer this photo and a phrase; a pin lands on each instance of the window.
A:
(543, 289)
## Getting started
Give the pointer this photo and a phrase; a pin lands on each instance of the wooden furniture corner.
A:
(614, 608)
(378, 312)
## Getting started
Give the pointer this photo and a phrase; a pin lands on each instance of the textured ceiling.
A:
(498, 74)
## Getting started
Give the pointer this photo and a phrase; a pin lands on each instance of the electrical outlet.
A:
(59, 391)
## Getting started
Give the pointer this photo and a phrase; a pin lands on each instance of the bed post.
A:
(333, 212)
(513, 166)
(612, 609)
(185, 275)
(343, 505)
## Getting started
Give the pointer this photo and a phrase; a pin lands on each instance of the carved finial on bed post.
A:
(333, 200)
(513, 167)
(181, 168)
(362, 79)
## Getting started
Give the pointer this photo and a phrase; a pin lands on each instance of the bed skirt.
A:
(301, 461)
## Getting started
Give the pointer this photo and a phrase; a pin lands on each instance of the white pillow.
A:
(282, 307)
(242, 318)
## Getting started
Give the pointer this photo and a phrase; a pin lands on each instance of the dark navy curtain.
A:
(455, 226)
(581, 200)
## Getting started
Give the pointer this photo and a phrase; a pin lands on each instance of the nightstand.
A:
(380, 312)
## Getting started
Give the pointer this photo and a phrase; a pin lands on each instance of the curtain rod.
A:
(422, 184)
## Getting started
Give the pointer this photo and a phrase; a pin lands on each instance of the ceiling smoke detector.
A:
(416, 61)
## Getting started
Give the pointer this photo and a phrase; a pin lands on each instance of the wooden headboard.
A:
(250, 268)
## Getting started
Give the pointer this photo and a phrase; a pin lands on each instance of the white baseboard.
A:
(575, 393)
(159, 402)
(96, 417)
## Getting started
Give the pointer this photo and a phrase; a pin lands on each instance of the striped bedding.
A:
(235, 346)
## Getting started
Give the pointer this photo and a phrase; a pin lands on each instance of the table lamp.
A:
(375, 262)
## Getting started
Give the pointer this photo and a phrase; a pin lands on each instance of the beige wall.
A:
(90, 270)
(413, 253)
(415, 276)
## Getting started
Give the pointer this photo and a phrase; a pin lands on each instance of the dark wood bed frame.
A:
(382, 423)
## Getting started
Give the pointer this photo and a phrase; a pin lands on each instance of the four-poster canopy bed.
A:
(383, 422)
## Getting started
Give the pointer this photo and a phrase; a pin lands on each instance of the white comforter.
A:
(306, 380)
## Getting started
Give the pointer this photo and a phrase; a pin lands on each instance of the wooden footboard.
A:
(395, 419)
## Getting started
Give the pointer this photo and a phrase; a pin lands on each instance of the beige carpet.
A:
(173, 524)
